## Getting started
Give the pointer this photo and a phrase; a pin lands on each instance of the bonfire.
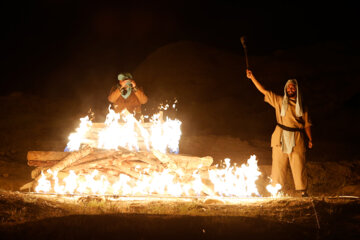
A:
(128, 157)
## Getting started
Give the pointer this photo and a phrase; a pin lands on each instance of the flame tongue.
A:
(78, 137)
(236, 181)
(118, 135)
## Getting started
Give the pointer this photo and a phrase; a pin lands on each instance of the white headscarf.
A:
(285, 102)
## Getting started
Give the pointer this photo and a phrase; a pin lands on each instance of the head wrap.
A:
(124, 76)
(285, 102)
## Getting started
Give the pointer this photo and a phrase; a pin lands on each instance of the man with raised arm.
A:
(288, 138)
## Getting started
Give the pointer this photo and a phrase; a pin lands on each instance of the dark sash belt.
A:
(290, 128)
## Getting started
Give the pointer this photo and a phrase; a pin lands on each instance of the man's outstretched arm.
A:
(250, 75)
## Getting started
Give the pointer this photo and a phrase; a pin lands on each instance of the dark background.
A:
(64, 50)
(42, 39)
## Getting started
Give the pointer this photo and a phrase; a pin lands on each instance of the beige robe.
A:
(297, 156)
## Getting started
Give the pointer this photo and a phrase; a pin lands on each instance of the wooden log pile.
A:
(112, 163)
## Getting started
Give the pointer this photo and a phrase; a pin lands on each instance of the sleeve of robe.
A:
(141, 96)
(114, 94)
(271, 98)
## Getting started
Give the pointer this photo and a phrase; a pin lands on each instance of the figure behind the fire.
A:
(126, 94)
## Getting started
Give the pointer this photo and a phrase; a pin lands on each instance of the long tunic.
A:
(289, 120)
(296, 157)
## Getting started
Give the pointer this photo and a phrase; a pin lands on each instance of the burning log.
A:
(92, 164)
(37, 171)
(114, 171)
(164, 158)
(149, 158)
(117, 170)
(46, 155)
(121, 165)
(35, 163)
(188, 162)
(67, 161)
(95, 156)
(175, 161)
(71, 158)
(50, 158)
(138, 164)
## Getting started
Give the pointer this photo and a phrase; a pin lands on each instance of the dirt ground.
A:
(34, 123)
(44, 217)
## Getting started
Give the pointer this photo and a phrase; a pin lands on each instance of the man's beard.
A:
(291, 94)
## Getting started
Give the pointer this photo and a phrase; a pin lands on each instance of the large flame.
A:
(116, 135)
(236, 181)
(165, 135)
(231, 181)
(124, 130)
(78, 137)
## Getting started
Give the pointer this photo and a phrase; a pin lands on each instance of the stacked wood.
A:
(112, 163)
(67, 161)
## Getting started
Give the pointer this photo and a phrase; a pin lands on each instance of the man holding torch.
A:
(288, 138)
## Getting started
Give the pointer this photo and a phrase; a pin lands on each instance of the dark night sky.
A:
(43, 36)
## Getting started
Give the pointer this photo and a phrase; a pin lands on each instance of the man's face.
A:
(291, 90)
